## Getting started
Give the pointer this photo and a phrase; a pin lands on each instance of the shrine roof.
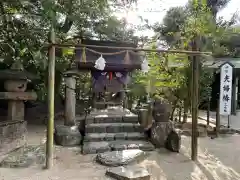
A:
(219, 61)
(116, 58)
(108, 43)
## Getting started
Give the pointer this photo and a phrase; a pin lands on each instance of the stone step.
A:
(112, 119)
(105, 146)
(112, 128)
(114, 136)
(102, 105)
(108, 102)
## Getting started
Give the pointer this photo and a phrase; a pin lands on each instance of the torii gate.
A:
(51, 78)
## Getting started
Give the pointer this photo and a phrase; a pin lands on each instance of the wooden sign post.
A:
(225, 98)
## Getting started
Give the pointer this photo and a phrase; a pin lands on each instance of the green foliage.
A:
(180, 26)
(161, 81)
(25, 27)
(170, 29)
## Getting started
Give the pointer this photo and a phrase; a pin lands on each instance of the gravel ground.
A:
(218, 160)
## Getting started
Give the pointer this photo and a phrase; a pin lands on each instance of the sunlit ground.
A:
(218, 160)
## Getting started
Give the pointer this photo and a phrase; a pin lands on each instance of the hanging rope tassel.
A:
(127, 58)
(84, 58)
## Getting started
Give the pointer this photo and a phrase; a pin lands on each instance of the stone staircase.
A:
(113, 129)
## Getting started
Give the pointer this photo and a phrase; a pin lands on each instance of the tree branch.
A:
(68, 21)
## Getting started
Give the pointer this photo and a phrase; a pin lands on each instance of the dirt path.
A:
(218, 160)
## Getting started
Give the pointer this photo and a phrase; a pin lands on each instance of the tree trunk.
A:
(185, 111)
(180, 114)
(172, 114)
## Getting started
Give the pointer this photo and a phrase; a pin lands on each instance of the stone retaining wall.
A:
(12, 135)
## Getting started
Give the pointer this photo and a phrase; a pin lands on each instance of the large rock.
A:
(173, 142)
(160, 132)
(161, 111)
(128, 173)
(120, 158)
(67, 135)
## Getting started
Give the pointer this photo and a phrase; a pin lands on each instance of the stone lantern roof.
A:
(16, 72)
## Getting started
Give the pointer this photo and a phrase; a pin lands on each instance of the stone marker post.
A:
(70, 101)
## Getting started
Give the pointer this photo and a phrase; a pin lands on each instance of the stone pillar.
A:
(143, 117)
(124, 97)
(16, 106)
(70, 101)
(94, 99)
(125, 100)
(15, 110)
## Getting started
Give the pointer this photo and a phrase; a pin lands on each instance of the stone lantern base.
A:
(12, 135)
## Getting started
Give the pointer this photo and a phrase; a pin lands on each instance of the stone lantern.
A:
(15, 84)
(13, 130)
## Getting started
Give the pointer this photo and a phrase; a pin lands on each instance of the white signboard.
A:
(226, 89)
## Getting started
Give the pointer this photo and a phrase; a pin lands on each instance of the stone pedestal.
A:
(67, 135)
(12, 135)
(70, 101)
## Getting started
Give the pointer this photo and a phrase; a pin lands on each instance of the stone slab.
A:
(120, 158)
(130, 119)
(114, 111)
(115, 114)
(135, 136)
(128, 173)
(108, 119)
(114, 136)
(23, 96)
(113, 127)
(95, 147)
(128, 144)
(111, 119)
(119, 145)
